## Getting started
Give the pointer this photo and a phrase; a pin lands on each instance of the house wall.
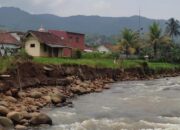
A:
(43, 52)
(4, 46)
(103, 49)
(70, 39)
(76, 41)
(33, 51)
(67, 52)
(39, 49)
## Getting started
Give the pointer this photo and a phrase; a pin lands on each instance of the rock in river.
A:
(6, 122)
(41, 119)
(20, 127)
(3, 111)
(16, 117)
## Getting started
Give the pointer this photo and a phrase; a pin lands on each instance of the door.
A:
(55, 52)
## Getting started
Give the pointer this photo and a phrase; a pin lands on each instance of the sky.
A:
(158, 9)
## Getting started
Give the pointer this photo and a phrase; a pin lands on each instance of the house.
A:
(18, 35)
(45, 44)
(72, 39)
(88, 49)
(104, 49)
(8, 44)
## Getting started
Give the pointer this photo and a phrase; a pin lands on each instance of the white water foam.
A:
(106, 124)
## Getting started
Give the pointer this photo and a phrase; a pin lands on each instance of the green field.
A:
(106, 63)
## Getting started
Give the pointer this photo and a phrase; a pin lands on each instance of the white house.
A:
(8, 44)
(103, 49)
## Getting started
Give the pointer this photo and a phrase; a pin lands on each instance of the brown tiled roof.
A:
(7, 38)
(47, 38)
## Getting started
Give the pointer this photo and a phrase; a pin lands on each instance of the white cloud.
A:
(161, 8)
(101, 5)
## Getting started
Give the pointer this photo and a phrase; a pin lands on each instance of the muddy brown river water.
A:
(131, 105)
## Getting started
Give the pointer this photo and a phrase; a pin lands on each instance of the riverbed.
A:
(131, 105)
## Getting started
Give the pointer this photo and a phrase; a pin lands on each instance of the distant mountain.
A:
(16, 19)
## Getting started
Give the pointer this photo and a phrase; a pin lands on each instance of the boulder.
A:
(4, 103)
(14, 92)
(6, 122)
(84, 85)
(23, 121)
(47, 98)
(107, 87)
(78, 82)
(78, 90)
(3, 111)
(99, 90)
(16, 117)
(21, 94)
(11, 99)
(36, 95)
(26, 115)
(57, 98)
(20, 127)
(71, 79)
(8, 93)
(40, 119)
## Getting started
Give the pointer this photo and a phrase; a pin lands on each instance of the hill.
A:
(17, 19)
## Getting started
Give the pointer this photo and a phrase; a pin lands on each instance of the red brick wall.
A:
(67, 52)
(76, 41)
(73, 40)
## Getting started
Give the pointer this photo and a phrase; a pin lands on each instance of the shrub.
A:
(22, 55)
(98, 55)
(78, 54)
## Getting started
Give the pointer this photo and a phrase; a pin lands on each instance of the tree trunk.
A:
(155, 51)
(127, 51)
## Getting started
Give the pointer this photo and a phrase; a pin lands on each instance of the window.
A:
(32, 45)
(77, 39)
(70, 39)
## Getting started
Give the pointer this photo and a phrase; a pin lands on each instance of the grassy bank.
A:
(106, 63)
(6, 63)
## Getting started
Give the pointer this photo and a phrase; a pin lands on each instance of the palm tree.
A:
(129, 39)
(156, 38)
(172, 28)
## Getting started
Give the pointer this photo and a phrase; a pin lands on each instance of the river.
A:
(131, 105)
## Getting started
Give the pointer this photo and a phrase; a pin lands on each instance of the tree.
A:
(172, 28)
(156, 38)
(129, 40)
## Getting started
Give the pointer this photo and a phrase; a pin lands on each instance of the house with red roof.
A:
(45, 44)
(72, 39)
(8, 44)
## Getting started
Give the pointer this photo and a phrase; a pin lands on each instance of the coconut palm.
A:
(156, 38)
(172, 28)
(128, 40)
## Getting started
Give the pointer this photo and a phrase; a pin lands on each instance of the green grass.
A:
(5, 63)
(106, 63)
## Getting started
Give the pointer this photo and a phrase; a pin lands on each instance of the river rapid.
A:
(131, 105)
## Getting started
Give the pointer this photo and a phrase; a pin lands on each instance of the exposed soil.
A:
(34, 75)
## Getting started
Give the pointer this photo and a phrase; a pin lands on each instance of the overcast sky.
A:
(159, 9)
